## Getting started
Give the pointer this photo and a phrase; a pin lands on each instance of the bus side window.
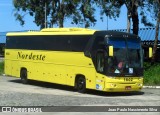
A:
(100, 62)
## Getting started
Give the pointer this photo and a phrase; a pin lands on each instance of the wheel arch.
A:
(21, 69)
(76, 80)
(24, 75)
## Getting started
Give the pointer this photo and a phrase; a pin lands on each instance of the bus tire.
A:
(81, 85)
(23, 76)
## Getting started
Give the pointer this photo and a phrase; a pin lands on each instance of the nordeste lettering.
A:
(31, 56)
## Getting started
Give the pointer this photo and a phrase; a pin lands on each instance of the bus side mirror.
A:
(150, 52)
(111, 51)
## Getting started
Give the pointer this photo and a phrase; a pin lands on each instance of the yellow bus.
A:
(85, 59)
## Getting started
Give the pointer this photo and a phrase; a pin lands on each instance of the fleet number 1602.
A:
(128, 79)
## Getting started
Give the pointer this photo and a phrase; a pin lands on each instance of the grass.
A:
(1, 68)
(151, 74)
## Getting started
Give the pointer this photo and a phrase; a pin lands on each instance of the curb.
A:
(151, 87)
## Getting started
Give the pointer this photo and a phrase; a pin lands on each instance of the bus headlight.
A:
(112, 77)
(113, 85)
(140, 85)
(140, 78)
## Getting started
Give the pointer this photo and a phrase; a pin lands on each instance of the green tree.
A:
(112, 9)
(132, 13)
(79, 11)
(35, 8)
(109, 8)
(151, 8)
(156, 15)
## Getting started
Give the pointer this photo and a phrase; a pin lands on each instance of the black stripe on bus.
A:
(75, 43)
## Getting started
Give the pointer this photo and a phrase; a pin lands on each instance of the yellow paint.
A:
(56, 31)
(150, 52)
(62, 67)
(117, 84)
(57, 67)
(110, 50)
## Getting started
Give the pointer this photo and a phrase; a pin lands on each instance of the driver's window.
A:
(100, 62)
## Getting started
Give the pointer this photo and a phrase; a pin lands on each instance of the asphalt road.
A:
(14, 93)
(1, 59)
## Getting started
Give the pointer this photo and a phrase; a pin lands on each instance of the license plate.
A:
(128, 88)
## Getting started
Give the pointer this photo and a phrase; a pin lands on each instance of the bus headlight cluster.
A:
(140, 78)
(113, 85)
(112, 77)
(140, 85)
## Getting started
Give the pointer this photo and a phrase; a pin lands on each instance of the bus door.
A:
(100, 68)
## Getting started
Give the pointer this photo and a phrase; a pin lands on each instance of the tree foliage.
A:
(79, 11)
(136, 7)
(156, 15)
(82, 11)
(109, 8)
(112, 9)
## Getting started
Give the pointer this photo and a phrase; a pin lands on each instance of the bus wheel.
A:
(81, 84)
(23, 76)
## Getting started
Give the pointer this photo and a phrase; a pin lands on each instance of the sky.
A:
(9, 23)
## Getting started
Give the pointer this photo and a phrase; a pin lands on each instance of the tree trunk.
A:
(61, 20)
(128, 22)
(135, 19)
(60, 24)
(156, 38)
(61, 13)
(42, 24)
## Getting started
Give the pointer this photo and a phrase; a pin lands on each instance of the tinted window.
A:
(56, 43)
(133, 43)
(117, 42)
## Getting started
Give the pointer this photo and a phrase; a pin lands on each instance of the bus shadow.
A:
(71, 89)
(113, 94)
(45, 85)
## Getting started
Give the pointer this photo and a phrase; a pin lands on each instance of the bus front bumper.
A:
(122, 87)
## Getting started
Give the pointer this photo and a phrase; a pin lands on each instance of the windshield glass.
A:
(127, 59)
(134, 54)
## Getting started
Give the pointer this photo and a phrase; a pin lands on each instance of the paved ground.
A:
(1, 59)
(14, 93)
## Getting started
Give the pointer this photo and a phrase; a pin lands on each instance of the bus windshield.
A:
(127, 59)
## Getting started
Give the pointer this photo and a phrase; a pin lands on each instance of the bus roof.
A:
(55, 31)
